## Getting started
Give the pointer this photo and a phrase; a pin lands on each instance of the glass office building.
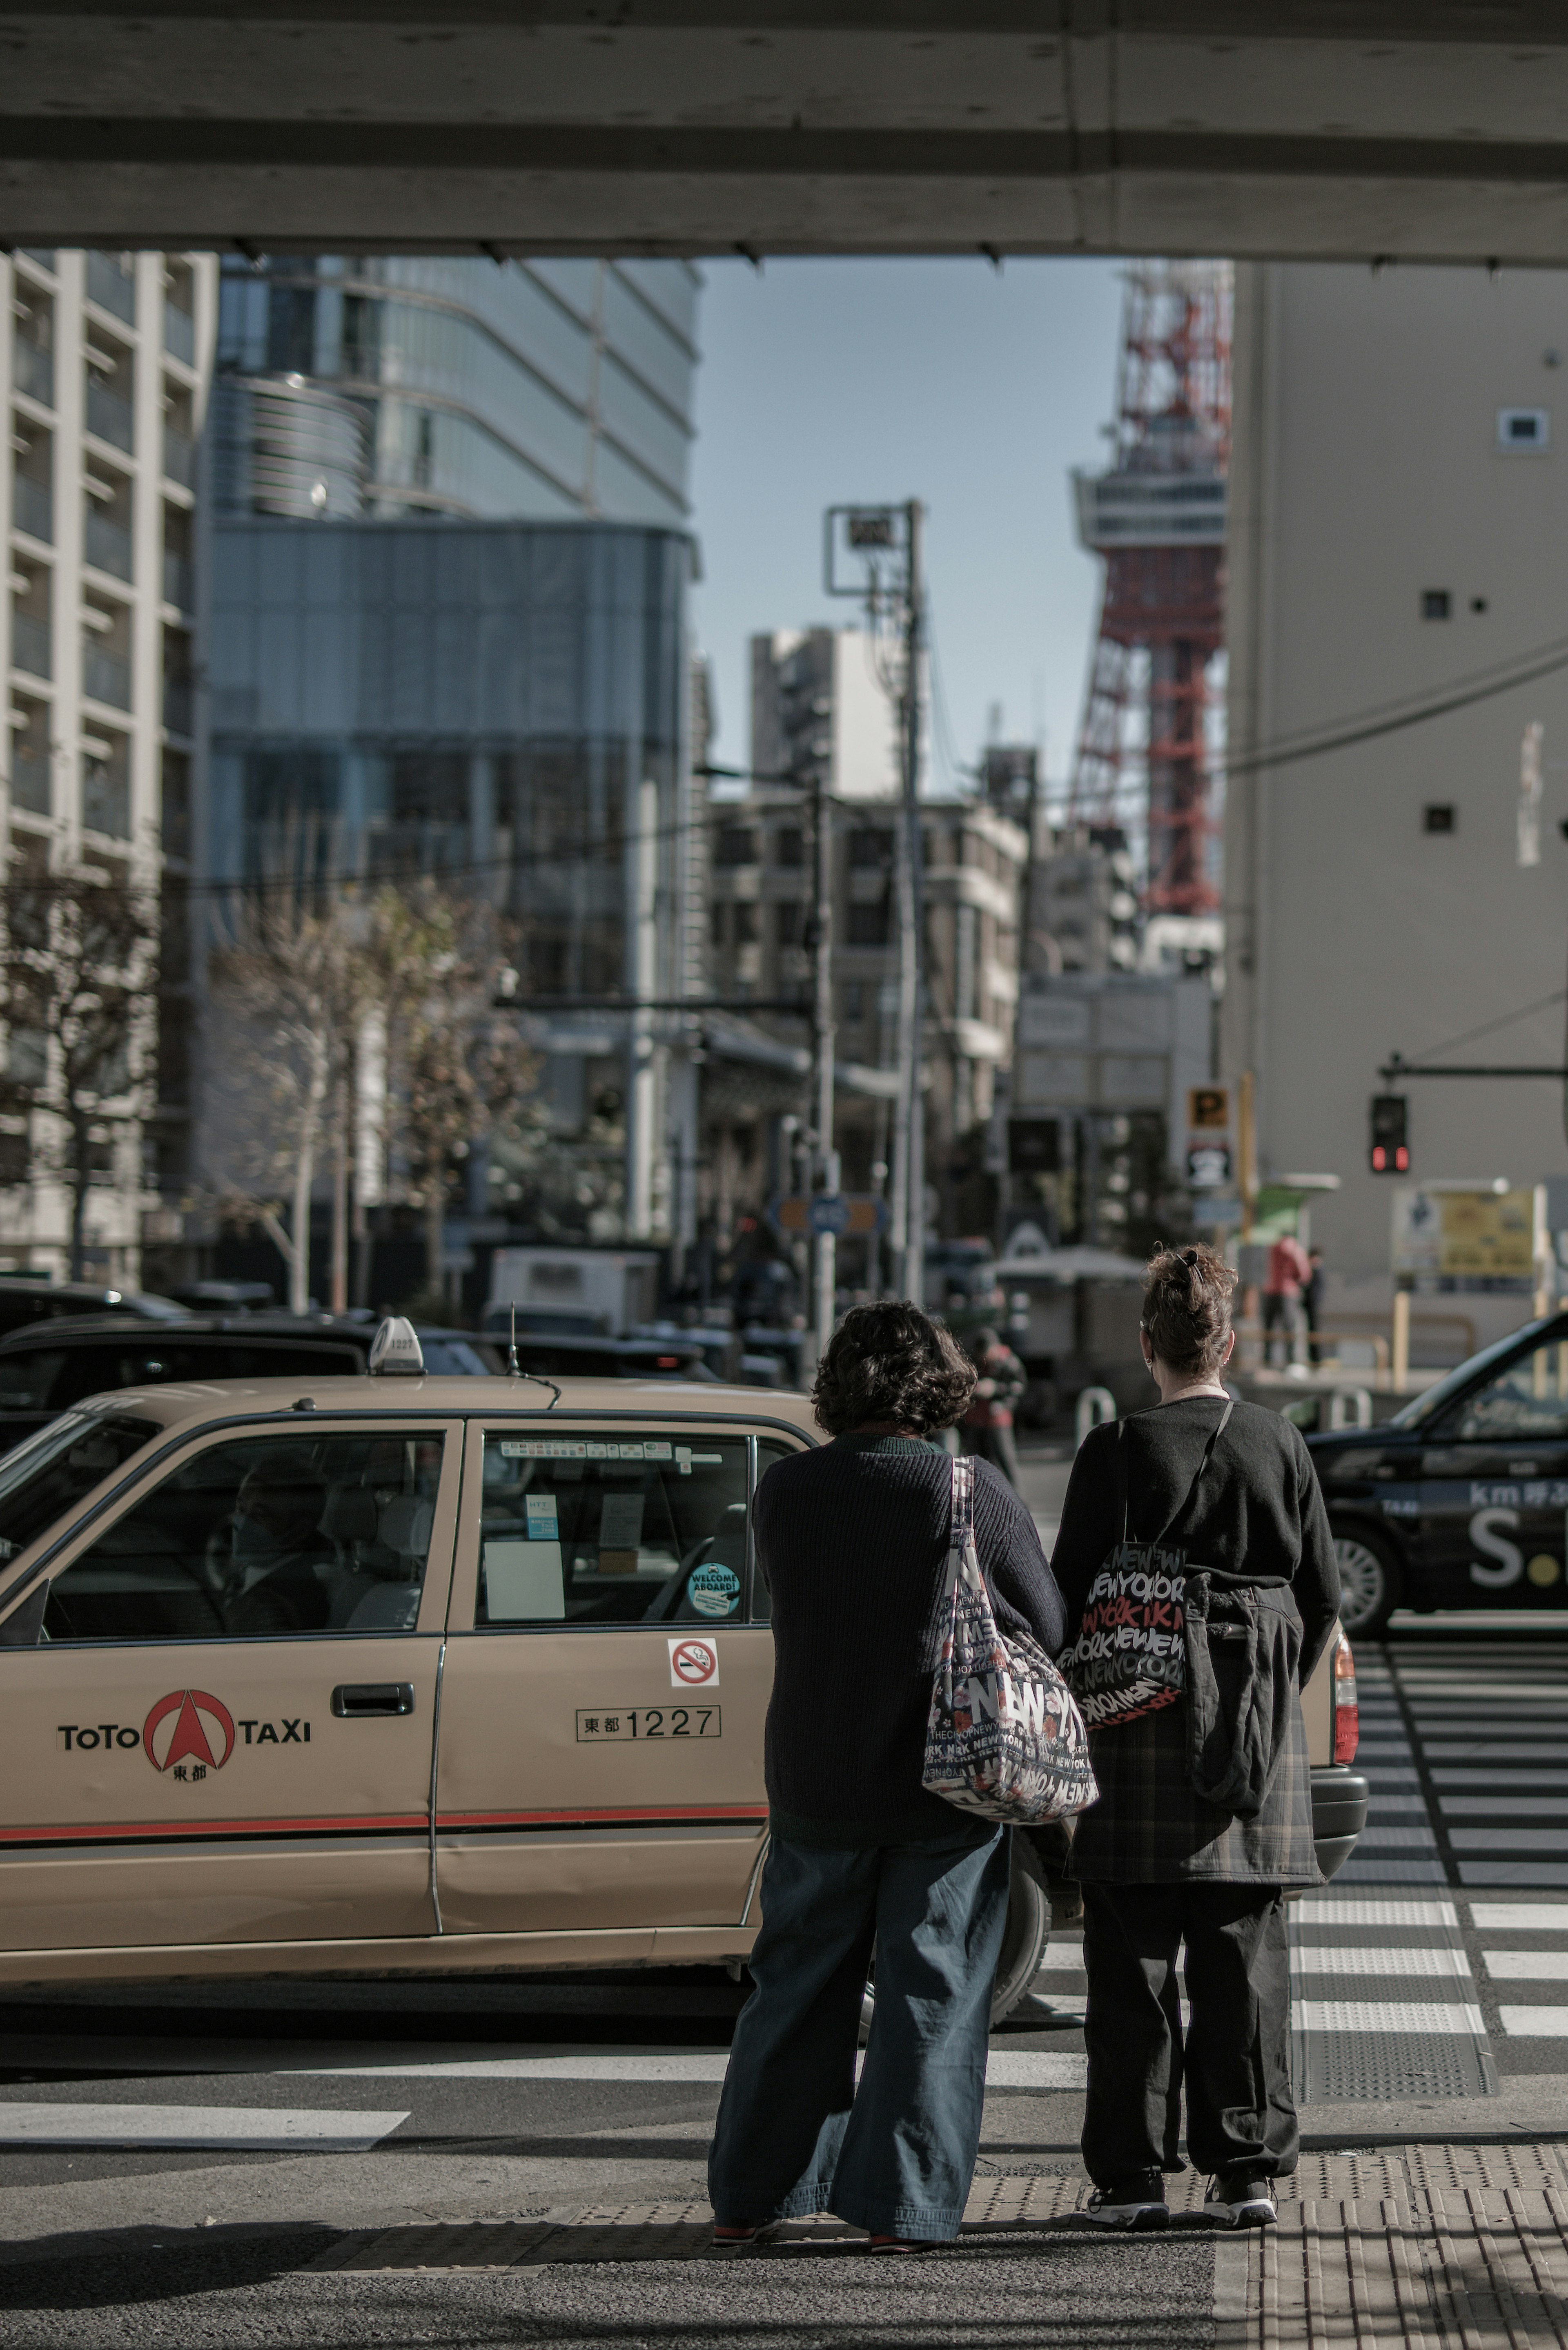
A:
(538, 389)
(503, 706)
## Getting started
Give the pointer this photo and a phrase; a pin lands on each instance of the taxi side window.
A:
(264, 1537)
(1530, 1397)
(575, 1531)
(762, 1598)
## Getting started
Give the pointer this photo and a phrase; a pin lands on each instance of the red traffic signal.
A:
(1390, 1147)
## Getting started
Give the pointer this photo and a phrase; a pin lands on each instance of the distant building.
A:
(365, 385)
(1398, 512)
(449, 577)
(820, 710)
(1084, 913)
(761, 888)
(104, 374)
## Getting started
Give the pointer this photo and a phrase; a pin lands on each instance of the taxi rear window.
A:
(583, 1531)
(44, 1478)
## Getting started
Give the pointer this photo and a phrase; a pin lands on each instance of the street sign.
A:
(1208, 1165)
(1209, 1109)
(854, 1213)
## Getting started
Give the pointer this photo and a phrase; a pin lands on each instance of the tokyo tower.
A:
(1146, 754)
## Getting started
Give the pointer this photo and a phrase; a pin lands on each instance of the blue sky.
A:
(825, 383)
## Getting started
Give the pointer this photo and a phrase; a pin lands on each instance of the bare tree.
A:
(456, 1062)
(79, 987)
(289, 984)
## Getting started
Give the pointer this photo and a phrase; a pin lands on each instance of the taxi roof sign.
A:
(396, 1349)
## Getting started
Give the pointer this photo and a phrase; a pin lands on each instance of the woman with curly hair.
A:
(852, 1539)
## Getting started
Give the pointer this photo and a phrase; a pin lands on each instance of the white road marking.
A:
(1415, 2016)
(250, 2130)
(1443, 1752)
(1526, 1965)
(1332, 1958)
(1520, 1917)
(1025, 2069)
(1063, 1958)
(1535, 2023)
(1538, 1807)
(1499, 1835)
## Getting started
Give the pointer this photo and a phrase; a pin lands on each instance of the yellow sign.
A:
(1458, 1235)
(1208, 1108)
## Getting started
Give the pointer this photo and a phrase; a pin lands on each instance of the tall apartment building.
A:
(821, 712)
(762, 889)
(449, 579)
(104, 378)
(1398, 537)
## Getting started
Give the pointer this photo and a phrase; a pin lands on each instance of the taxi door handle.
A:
(362, 1701)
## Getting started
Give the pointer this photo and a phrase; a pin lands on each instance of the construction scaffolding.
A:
(1149, 743)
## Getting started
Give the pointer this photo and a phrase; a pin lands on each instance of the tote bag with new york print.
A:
(1003, 1737)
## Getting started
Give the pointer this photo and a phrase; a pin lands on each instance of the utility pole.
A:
(827, 1267)
(908, 1140)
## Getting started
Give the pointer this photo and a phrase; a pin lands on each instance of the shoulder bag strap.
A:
(1191, 1493)
(1121, 1516)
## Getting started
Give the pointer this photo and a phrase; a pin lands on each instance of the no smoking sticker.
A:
(693, 1664)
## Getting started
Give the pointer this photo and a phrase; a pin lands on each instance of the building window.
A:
(105, 784)
(737, 844)
(786, 921)
(791, 850)
(745, 923)
(868, 849)
(1441, 816)
(1437, 604)
(868, 924)
(852, 1002)
(719, 924)
(1523, 432)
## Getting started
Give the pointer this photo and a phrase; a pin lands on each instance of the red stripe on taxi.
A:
(578, 1817)
(113, 1833)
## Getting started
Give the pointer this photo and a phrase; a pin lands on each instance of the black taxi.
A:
(1462, 1499)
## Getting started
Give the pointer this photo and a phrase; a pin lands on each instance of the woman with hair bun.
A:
(1232, 1488)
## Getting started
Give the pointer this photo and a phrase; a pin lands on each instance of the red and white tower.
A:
(1147, 750)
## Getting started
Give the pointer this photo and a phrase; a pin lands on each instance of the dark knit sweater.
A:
(852, 1539)
(1259, 1510)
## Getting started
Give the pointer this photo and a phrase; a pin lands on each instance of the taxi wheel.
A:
(1024, 1939)
(1370, 1584)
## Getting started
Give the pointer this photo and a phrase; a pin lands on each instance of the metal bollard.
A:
(1097, 1404)
(1341, 1397)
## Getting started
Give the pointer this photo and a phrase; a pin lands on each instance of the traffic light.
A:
(1390, 1153)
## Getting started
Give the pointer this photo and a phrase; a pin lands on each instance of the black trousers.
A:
(996, 1445)
(1235, 2059)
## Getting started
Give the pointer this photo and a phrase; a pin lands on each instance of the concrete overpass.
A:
(1422, 129)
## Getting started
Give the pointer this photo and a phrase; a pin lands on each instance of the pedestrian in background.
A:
(1289, 1269)
(852, 1539)
(1232, 1487)
(987, 1428)
(1312, 1303)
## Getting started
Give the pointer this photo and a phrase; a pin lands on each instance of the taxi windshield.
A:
(47, 1476)
(1430, 1401)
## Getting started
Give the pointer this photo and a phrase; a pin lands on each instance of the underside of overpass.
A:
(1414, 130)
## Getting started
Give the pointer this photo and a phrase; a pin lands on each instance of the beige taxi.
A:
(394, 1673)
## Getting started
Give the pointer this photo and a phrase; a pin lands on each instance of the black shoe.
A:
(1136, 2201)
(1240, 2200)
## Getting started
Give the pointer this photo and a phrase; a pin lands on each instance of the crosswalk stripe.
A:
(1502, 1837)
(1005, 2069)
(249, 2129)
(1535, 2023)
(1539, 1807)
(1526, 1965)
(1331, 1910)
(1520, 1917)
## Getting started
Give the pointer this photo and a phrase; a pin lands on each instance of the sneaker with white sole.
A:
(1240, 2201)
(1137, 2202)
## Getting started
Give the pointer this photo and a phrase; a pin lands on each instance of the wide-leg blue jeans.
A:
(794, 2133)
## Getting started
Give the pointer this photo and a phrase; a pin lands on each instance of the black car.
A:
(43, 1369)
(25, 1299)
(1462, 1499)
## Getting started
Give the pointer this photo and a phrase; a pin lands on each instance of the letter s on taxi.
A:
(1510, 1557)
